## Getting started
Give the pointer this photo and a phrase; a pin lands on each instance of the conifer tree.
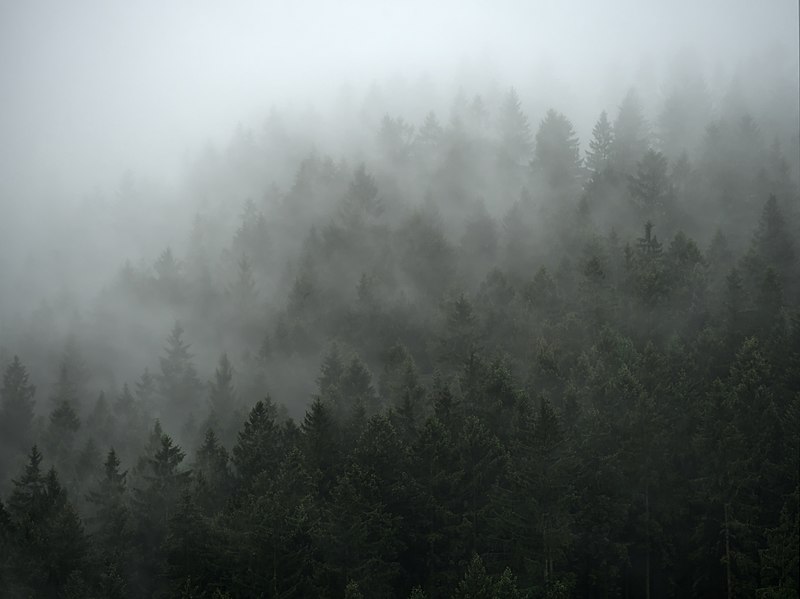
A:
(155, 503)
(16, 408)
(476, 584)
(557, 154)
(256, 450)
(515, 132)
(48, 540)
(178, 384)
(320, 446)
(598, 156)
(212, 475)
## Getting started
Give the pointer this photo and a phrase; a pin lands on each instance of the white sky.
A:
(89, 88)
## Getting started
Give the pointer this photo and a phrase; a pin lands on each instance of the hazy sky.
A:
(88, 88)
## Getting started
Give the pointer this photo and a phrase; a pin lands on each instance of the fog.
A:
(91, 89)
(100, 100)
(473, 287)
(97, 95)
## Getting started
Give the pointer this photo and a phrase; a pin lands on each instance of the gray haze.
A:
(90, 89)
(108, 109)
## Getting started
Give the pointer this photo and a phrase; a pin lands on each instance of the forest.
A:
(450, 352)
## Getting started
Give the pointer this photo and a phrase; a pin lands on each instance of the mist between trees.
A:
(449, 352)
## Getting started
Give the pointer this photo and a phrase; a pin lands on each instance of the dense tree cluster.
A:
(533, 373)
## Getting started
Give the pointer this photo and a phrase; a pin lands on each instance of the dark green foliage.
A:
(155, 503)
(476, 584)
(16, 410)
(256, 450)
(212, 474)
(506, 587)
(598, 156)
(577, 403)
(320, 446)
(773, 241)
(46, 534)
(109, 528)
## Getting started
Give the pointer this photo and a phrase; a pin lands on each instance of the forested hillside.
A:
(467, 356)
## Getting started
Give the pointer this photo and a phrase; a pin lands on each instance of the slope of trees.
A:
(499, 370)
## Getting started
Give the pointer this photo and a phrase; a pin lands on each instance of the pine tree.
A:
(61, 432)
(772, 241)
(648, 246)
(557, 154)
(434, 464)
(48, 540)
(331, 372)
(110, 514)
(476, 584)
(482, 463)
(155, 502)
(256, 450)
(506, 587)
(110, 527)
(16, 408)
(356, 389)
(189, 548)
(164, 483)
(515, 132)
(178, 383)
(320, 446)
(29, 489)
(277, 524)
(598, 156)
(212, 474)
(360, 539)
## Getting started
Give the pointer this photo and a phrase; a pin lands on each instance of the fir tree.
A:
(557, 155)
(256, 450)
(515, 132)
(16, 408)
(598, 156)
